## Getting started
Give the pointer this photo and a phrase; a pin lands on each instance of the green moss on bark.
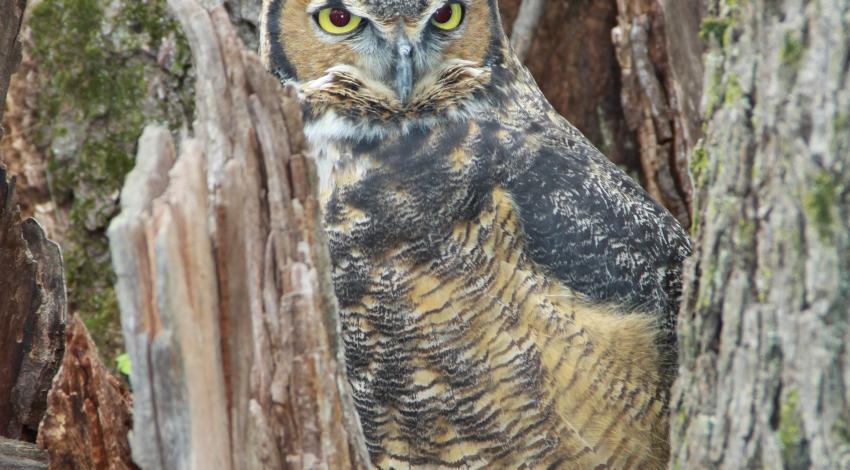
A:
(791, 436)
(714, 27)
(792, 50)
(99, 60)
(820, 203)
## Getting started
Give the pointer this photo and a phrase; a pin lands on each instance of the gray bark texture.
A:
(228, 312)
(763, 333)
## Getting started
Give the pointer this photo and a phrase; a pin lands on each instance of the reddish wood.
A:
(655, 110)
(89, 410)
(573, 60)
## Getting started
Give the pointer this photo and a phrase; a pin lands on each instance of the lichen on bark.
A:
(763, 330)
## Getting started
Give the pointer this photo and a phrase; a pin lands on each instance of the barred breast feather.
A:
(507, 295)
(478, 359)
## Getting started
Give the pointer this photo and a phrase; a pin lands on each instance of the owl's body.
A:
(506, 293)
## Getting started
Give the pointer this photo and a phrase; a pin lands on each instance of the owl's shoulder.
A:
(596, 228)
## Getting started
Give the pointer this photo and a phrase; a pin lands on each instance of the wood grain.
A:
(227, 311)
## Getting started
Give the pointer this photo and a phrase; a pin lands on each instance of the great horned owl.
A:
(507, 294)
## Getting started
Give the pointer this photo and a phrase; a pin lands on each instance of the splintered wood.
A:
(32, 286)
(88, 410)
(660, 72)
(227, 308)
(32, 317)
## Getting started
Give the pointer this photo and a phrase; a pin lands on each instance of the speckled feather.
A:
(507, 294)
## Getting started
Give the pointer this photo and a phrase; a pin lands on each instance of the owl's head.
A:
(383, 59)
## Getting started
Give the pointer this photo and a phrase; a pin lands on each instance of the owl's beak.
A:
(404, 69)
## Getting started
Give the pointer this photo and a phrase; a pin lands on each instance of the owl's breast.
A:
(461, 352)
(463, 346)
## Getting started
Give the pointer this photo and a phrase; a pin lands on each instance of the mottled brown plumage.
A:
(507, 295)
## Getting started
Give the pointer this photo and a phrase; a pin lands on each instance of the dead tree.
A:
(659, 53)
(227, 309)
(32, 288)
(10, 46)
(89, 410)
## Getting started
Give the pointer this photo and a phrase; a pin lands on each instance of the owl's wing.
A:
(597, 230)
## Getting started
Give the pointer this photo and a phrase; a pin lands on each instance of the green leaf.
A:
(122, 363)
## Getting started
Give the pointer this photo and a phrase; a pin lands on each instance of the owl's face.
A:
(389, 55)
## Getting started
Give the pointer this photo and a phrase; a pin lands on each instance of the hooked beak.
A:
(404, 69)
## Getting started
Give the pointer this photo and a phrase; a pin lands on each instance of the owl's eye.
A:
(337, 20)
(448, 17)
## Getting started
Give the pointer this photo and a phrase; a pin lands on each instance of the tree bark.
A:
(572, 58)
(17, 455)
(228, 313)
(764, 376)
(89, 411)
(32, 289)
(525, 26)
(10, 47)
(663, 116)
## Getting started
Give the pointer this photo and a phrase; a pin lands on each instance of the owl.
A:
(507, 295)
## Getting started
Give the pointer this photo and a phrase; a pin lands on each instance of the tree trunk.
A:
(228, 312)
(32, 288)
(764, 375)
(572, 57)
(10, 47)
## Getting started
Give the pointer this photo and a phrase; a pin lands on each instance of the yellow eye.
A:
(338, 20)
(448, 17)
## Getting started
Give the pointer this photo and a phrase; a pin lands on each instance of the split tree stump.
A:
(227, 307)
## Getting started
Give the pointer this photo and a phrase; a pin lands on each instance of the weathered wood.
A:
(43, 336)
(655, 108)
(683, 74)
(17, 455)
(227, 311)
(89, 410)
(572, 58)
(765, 373)
(32, 317)
(32, 289)
(11, 15)
(17, 295)
(16, 292)
(525, 26)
